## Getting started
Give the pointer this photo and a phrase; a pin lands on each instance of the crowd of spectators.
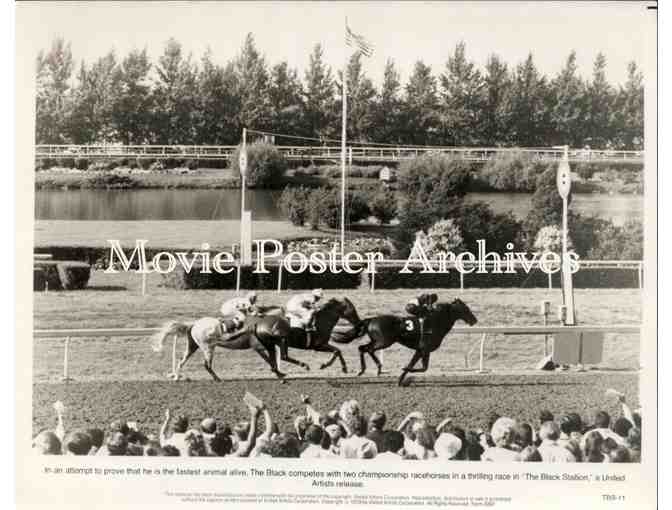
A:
(346, 432)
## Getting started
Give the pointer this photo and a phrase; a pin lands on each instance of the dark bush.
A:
(293, 202)
(82, 163)
(174, 163)
(250, 280)
(60, 275)
(146, 163)
(383, 205)
(191, 164)
(546, 204)
(265, 165)
(329, 206)
(316, 199)
(432, 187)
(112, 180)
(45, 163)
(478, 221)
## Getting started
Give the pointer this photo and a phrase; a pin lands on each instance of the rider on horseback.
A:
(420, 307)
(301, 312)
(235, 310)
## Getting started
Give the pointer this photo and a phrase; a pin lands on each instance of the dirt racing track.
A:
(468, 399)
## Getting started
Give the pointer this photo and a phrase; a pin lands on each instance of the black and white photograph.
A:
(341, 232)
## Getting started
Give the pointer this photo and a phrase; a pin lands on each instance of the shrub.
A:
(146, 163)
(60, 275)
(329, 204)
(443, 236)
(478, 221)
(82, 163)
(192, 164)
(293, 203)
(174, 163)
(432, 187)
(112, 180)
(513, 171)
(156, 166)
(602, 240)
(45, 163)
(384, 206)
(546, 204)
(265, 165)
(316, 200)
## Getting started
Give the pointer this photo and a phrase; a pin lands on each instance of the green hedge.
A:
(60, 275)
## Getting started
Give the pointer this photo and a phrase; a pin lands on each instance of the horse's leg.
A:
(335, 354)
(372, 353)
(268, 355)
(424, 365)
(284, 356)
(409, 368)
(207, 363)
(362, 362)
(191, 348)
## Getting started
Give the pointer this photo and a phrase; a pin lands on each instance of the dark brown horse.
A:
(386, 330)
(326, 318)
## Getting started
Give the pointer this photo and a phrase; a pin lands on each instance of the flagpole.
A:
(343, 137)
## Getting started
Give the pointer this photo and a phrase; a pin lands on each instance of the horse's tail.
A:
(347, 336)
(168, 329)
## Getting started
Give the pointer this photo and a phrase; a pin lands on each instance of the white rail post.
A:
(639, 275)
(461, 281)
(550, 281)
(144, 283)
(238, 277)
(481, 363)
(373, 275)
(279, 278)
(66, 348)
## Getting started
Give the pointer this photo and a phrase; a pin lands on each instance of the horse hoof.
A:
(360, 373)
(345, 370)
(322, 367)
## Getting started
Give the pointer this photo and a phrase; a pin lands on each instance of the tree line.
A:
(181, 100)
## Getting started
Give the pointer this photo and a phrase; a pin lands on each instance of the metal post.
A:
(238, 276)
(550, 281)
(343, 138)
(461, 281)
(279, 278)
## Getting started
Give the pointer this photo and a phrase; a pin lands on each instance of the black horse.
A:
(425, 338)
(326, 318)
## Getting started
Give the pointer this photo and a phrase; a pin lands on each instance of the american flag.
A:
(357, 41)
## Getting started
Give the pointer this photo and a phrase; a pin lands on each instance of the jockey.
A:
(239, 307)
(301, 310)
(420, 307)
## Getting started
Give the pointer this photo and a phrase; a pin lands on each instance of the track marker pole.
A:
(66, 348)
(279, 278)
(461, 281)
(481, 368)
(238, 277)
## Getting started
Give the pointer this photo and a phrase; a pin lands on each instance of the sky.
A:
(403, 31)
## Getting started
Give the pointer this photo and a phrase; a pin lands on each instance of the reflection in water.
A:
(206, 204)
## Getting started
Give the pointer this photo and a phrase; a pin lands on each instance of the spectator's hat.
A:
(317, 293)
(447, 446)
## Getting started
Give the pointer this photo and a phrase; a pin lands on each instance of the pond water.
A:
(206, 204)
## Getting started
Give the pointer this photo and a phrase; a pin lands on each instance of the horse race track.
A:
(123, 377)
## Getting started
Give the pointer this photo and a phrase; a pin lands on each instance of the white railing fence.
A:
(483, 331)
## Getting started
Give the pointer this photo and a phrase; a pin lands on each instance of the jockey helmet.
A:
(251, 296)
